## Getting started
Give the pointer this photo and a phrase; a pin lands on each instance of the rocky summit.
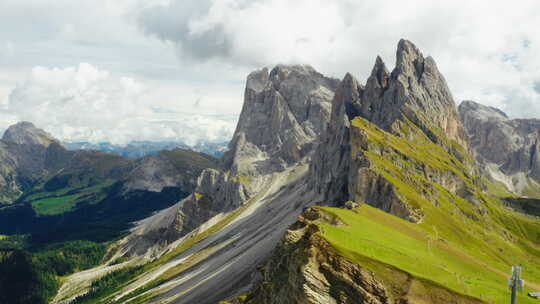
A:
(334, 191)
(26, 154)
(25, 133)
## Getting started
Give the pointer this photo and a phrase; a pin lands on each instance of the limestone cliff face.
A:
(506, 148)
(414, 92)
(284, 113)
(369, 153)
(306, 269)
(331, 162)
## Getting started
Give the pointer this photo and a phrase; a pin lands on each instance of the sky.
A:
(123, 70)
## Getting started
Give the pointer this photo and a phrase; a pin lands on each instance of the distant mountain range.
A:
(136, 149)
(59, 208)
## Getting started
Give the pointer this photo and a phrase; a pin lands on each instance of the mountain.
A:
(26, 154)
(506, 148)
(331, 192)
(137, 149)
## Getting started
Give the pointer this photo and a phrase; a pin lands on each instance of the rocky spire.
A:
(409, 59)
(379, 74)
(25, 133)
(329, 166)
(415, 90)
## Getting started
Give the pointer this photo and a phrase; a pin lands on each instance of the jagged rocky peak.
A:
(507, 148)
(25, 133)
(285, 111)
(414, 92)
(379, 75)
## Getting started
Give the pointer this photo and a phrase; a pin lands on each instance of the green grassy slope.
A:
(66, 199)
(466, 243)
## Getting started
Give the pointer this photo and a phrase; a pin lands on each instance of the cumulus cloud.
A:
(85, 103)
(488, 50)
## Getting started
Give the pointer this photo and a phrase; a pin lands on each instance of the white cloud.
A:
(488, 50)
(87, 104)
(7, 50)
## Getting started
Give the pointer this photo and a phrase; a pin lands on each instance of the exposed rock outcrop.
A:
(331, 162)
(216, 193)
(506, 148)
(171, 168)
(9, 185)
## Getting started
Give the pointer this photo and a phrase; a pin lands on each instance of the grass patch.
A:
(372, 233)
(54, 203)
